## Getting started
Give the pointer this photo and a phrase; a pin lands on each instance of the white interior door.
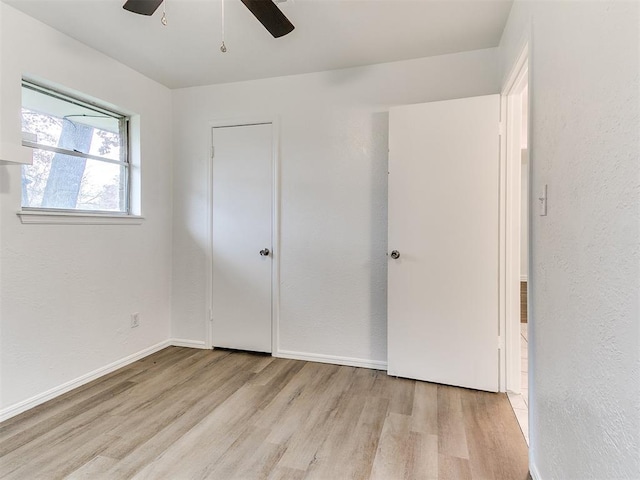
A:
(242, 236)
(443, 221)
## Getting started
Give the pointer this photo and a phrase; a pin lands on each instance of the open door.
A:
(443, 240)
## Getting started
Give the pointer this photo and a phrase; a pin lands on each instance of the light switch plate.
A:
(542, 202)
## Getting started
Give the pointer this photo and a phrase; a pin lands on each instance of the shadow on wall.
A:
(188, 302)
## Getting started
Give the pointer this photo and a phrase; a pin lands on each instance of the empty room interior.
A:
(323, 239)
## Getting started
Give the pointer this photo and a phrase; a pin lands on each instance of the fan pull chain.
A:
(163, 20)
(223, 47)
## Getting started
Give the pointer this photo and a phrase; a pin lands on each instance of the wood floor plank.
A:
(402, 392)
(228, 422)
(250, 456)
(452, 438)
(389, 460)
(197, 414)
(424, 417)
(286, 473)
(260, 464)
(68, 401)
(359, 453)
(325, 464)
(305, 442)
(52, 428)
(489, 437)
(422, 457)
(403, 454)
(66, 454)
(92, 470)
(453, 468)
(274, 373)
(288, 408)
(191, 455)
(71, 400)
(363, 381)
(260, 362)
(153, 413)
(152, 387)
(144, 454)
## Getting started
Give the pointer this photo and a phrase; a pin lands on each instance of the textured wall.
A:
(334, 192)
(68, 290)
(584, 344)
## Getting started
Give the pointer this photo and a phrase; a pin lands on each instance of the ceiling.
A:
(329, 34)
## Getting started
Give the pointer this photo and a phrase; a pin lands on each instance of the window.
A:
(80, 156)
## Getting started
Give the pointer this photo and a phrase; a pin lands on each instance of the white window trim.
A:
(74, 218)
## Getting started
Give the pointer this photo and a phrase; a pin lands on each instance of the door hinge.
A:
(213, 149)
(210, 315)
(500, 343)
(501, 129)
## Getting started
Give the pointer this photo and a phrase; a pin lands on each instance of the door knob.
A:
(395, 254)
(264, 252)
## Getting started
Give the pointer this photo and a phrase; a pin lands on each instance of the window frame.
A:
(124, 123)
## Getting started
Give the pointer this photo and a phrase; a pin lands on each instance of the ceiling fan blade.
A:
(270, 16)
(143, 7)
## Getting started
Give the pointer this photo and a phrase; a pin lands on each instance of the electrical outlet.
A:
(135, 320)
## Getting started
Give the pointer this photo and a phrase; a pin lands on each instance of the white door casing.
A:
(242, 219)
(517, 85)
(443, 292)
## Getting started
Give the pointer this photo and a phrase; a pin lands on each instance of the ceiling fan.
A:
(266, 11)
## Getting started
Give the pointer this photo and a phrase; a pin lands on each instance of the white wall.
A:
(67, 290)
(10, 149)
(584, 337)
(334, 192)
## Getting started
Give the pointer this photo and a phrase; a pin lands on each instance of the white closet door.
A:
(443, 222)
(242, 237)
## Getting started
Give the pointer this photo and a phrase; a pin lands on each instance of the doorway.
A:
(242, 236)
(515, 247)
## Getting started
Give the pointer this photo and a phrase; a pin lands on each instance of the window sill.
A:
(69, 218)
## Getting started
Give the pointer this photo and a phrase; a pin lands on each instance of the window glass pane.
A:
(63, 131)
(67, 182)
(44, 129)
(34, 178)
(55, 122)
(103, 187)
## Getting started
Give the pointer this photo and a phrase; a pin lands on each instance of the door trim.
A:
(274, 121)
(510, 218)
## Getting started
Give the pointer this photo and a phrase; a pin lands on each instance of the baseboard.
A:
(535, 475)
(524, 278)
(180, 342)
(25, 405)
(316, 357)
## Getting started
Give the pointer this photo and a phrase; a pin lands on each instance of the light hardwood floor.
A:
(191, 414)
